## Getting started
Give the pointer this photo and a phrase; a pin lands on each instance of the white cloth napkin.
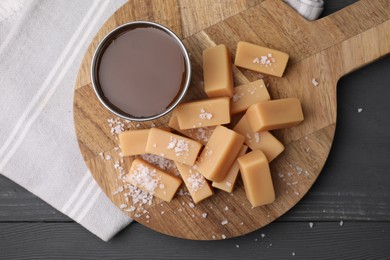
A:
(39, 61)
(40, 52)
(310, 9)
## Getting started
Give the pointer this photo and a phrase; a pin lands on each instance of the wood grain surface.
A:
(326, 50)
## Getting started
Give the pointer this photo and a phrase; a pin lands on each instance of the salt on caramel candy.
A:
(172, 146)
(153, 180)
(248, 94)
(261, 59)
(201, 134)
(197, 185)
(202, 113)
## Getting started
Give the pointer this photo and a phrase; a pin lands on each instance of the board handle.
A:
(364, 48)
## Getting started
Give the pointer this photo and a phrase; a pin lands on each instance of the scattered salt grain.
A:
(257, 137)
(314, 82)
(204, 215)
(262, 235)
(223, 236)
(360, 110)
(293, 253)
(108, 158)
(296, 193)
(311, 224)
(224, 222)
(229, 184)
(341, 223)
(238, 246)
(192, 205)
(226, 208)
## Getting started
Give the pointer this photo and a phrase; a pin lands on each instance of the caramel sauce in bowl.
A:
(140, 71)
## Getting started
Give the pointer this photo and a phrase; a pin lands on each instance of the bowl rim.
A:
(100, 50)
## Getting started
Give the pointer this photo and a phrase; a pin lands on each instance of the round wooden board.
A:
(325, 50)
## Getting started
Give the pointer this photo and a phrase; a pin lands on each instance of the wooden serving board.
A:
(324, 50)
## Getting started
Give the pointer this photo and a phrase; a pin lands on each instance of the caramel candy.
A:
(248, 94)
(217, 72)
(197, 185)
(151, 179)
(256, 177)
(260, 59)
(201, 134)
(133, 142)
(275, 114)
(228, 183)
(264, 141)
(219, 153)
(209, 112)
(172, 146)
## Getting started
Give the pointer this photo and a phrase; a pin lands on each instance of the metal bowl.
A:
(100, 50)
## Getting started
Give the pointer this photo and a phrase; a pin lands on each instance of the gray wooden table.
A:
(346, 214)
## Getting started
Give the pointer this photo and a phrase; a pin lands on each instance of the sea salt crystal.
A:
(205, 115)
(229, 184)
(224, 222)
(311, 224)
(226, 208)
(360, 110)
(192, 205)
(146, 177)
(223, 236)
(341, 223)
(108, 158)
(314, 82)
(262, 235)
(238, 246)
(195, 182)
(204, 215)
(180, 146)
(257, 137)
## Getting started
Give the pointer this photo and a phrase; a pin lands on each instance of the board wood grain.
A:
(325, 50)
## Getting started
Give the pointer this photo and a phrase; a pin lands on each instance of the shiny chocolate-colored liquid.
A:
(142, 71)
